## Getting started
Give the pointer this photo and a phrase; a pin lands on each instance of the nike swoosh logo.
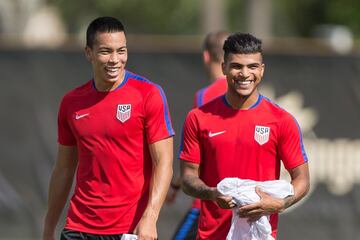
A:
(77, 117)
(216, 133)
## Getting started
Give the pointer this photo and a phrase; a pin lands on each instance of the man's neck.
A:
(242, 102)
(214, 72)
(104, 86)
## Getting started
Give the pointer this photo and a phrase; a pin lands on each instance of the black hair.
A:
(102, 25)
(242, 43)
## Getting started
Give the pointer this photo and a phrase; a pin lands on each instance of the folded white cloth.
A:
(243, 193)
(129, 237)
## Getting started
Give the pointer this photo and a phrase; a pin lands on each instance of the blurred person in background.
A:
(115, 132)
(213, 56)
(240, 134)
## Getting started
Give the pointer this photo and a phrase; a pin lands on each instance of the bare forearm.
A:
(301, 183)
(158, 188)
(194, 186)
(59, 188)
(162, 155)
(300, 190)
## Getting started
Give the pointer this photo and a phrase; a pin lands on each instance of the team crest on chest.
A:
(123, 112)
(261, 134)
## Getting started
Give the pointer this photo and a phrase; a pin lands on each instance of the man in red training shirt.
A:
(240, 134)
(115, 132)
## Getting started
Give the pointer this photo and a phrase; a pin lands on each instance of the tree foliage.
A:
(139, 16)
(299, 17)
(290, 17)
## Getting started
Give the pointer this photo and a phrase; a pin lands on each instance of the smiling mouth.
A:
(243, 84)
(112, 71)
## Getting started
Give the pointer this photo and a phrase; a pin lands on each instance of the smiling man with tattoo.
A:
(240, 134)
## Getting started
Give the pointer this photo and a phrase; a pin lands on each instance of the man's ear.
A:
(262, 70)
(87, 52)
(223, 68)
(206, 56)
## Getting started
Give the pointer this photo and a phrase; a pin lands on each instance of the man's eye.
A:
(104, 52)
(236, 66)
(122, 50)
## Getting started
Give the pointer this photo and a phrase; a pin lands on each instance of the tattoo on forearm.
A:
(289, 200)
(193, 186)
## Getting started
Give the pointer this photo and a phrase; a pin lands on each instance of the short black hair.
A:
(242, 43)
(213, 43)
(102, 25)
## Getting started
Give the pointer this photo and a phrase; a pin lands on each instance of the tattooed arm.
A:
(269, 205)
(192, 185)
(301, 182)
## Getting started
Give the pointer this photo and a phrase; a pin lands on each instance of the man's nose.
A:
(244, 72)
(114, 57)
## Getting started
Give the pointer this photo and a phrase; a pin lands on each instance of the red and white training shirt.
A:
(248, 144)
(112, 131)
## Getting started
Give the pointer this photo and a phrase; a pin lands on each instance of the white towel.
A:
(243, 193)
(129, 237)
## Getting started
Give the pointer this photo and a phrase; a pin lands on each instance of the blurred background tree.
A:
(28, 20)
(139, 16)
(299, 17)
(296, 18)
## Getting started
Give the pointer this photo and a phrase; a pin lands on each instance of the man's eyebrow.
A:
(104, 48)
(236, 63)
(242, 65)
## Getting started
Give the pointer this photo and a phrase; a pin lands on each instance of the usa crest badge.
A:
(261, 134)
(123, 112)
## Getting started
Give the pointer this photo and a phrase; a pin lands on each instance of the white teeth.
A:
(243, 82)
(112, 69)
